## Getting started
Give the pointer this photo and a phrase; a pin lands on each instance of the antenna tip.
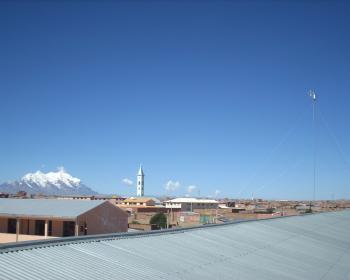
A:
(312, 94)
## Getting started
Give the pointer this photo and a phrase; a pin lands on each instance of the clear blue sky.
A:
(206, 93)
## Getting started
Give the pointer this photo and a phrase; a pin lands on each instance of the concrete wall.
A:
(105, 218)
(145, 217)
(210, 212)
(249, 216)
(144, 227)
(153, 210)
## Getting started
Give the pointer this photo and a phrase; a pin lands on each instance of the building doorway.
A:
(68, 228)
(49, 229)
(39, 227)
(11, 225)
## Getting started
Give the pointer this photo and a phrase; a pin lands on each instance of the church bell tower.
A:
(140, 182)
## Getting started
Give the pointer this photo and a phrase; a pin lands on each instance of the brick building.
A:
(60, 217)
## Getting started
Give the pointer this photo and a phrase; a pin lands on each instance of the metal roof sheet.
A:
(301, 247)
(46, 207)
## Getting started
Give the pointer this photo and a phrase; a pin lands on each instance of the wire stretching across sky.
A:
(333, 137)
(269, 155)
(280, 175)
(335, 140)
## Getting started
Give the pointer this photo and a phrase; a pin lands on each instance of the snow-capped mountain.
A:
(52, 183)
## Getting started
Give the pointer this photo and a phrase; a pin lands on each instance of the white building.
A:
(190, 204)
(140, 182)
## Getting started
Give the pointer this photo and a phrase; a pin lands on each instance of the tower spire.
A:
(140, 182)
(140, 170)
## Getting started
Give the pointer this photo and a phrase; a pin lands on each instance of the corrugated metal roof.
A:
(68, 208)
(302, 247)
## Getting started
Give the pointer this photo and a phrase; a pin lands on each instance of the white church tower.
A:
(140, 182)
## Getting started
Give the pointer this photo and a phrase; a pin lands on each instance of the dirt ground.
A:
(9, 237)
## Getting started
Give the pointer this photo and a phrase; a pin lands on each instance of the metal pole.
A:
(312, 94)
(314, 136)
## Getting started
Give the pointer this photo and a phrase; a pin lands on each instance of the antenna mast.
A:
(312, 95)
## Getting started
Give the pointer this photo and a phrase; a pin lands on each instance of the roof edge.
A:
(97, 205)
(23, 216)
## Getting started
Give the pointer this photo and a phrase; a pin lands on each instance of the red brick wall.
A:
(105, 218)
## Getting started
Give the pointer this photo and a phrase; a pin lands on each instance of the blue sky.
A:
(211, 94)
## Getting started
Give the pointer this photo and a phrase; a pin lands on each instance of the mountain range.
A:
(51, 183)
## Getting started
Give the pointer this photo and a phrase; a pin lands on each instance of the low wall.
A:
(144, 227)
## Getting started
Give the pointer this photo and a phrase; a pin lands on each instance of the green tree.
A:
(159, 220)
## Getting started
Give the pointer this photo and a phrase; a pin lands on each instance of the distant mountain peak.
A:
(51, 183)
(59, 178)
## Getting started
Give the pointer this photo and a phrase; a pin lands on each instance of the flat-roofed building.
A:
(139, 201)
(114, 199)
(60, 217)
(191, 204)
